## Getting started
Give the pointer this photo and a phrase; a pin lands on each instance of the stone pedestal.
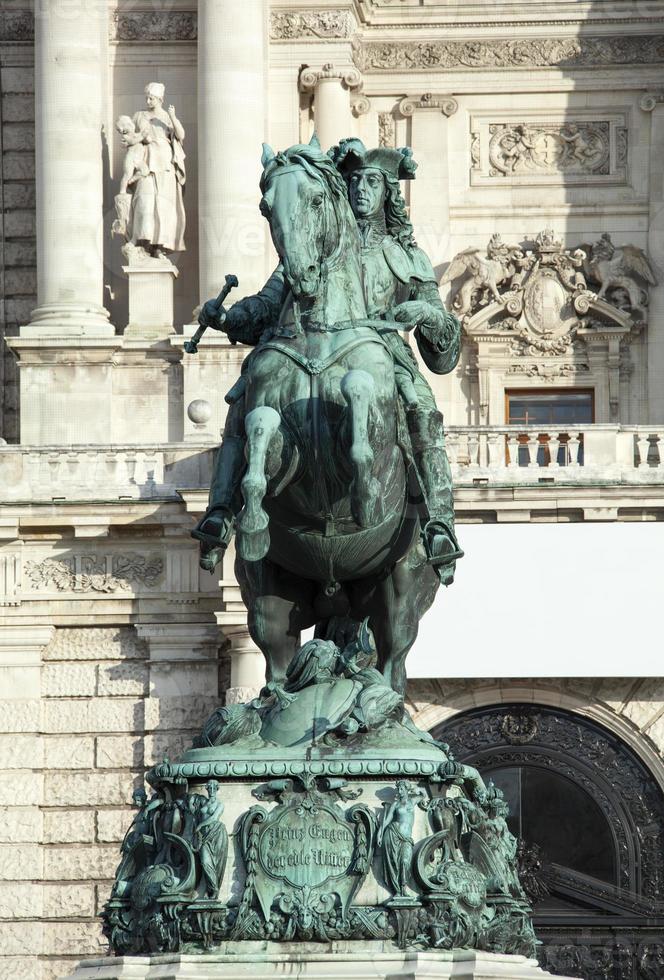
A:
(341, 961)
(151, 282)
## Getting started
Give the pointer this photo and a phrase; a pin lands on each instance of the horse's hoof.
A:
(253, 545)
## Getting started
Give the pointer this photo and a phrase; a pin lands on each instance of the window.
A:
(556, 411)
(554, 813)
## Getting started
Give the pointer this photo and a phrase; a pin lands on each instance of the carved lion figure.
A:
(626, 268)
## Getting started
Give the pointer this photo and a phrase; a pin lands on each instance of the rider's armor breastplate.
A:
(380, 284)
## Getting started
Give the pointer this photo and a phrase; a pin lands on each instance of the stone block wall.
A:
(71, 753)
(18, 274)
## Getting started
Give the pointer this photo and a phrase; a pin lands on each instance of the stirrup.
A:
(217, 540)
(430, 530)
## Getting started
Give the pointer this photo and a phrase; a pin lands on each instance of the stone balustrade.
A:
(52, 473)
(575, 454)
(478, 455)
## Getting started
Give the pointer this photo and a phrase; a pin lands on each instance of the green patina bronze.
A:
(334, 476)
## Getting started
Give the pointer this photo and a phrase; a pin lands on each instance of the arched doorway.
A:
(591, 821)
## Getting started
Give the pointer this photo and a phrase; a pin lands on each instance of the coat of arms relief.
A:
(539, 311)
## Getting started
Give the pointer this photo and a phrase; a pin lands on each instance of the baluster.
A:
(513, 451)
(493, 441)
(149, 469)
(482, 449)
(54, 463)
(554, 446)
(643, 443)
(139, 470)
(660, 449)
(33, 468)
(158, 461)
(73, 461)
(533, 448)
(111, 462)
(90, 478)
(130, 464)
(473, 448)
(573, 444)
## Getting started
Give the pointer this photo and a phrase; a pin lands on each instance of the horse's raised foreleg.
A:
(262, 429)
(359, 390)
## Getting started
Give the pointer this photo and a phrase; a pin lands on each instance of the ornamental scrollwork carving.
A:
(158, 26)
(540, 298)
(289, 25)
(16, 25)
(92, 573)
(549, 148)
(386, 129)
(498, 53)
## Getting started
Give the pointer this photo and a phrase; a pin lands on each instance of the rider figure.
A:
(399, 285)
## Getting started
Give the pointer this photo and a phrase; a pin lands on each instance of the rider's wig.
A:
(396, 214)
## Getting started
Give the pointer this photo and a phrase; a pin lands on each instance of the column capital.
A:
(350, 77)
(446, 104)
(649, 100)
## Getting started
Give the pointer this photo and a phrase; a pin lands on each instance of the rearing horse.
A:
(328, 527)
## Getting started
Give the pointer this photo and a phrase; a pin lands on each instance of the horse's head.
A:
(304, 200)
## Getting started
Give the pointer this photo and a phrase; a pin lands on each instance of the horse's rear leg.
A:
(262, 429)
(359, 390)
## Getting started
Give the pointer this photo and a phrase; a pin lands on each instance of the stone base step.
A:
(307, 964)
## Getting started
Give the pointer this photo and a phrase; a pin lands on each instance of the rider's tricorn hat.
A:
(351, 155)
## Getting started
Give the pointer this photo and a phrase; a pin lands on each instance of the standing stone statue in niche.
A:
(399, 286)
(149, 206)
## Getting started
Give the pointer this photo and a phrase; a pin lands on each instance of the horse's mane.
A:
(314, 162)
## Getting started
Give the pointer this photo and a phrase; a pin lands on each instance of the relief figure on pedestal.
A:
(395, 836)
(149, 206)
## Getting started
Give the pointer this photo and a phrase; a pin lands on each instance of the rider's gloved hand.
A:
(211, 316)
(416, 313)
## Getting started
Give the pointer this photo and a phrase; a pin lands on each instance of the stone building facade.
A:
(540, 123)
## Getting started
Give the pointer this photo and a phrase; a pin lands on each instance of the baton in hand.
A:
(191, 346)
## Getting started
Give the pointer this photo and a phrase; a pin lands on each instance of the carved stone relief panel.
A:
(565, 53)
(290, 25)
(524, 149)
(95, 573)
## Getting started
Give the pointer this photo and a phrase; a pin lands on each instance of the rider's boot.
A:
(428, 442)
(216, 527)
